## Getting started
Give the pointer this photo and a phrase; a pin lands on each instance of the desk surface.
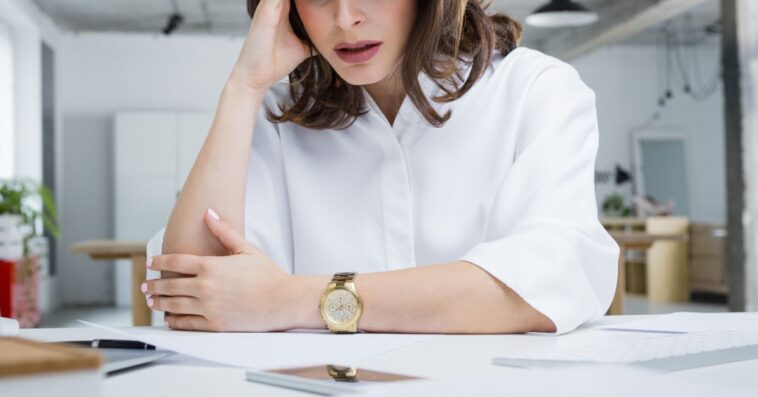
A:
(451, 356)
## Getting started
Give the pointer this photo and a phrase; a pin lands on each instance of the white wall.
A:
(7, 145)
(25, 25)
(626, 82)
(104, 73)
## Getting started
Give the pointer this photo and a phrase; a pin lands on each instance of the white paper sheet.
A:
(272, 349)
(596, 380)
(691, 322)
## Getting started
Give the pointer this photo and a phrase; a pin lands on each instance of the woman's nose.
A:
(349, 14)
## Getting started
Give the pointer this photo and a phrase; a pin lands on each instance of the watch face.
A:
(341, 306)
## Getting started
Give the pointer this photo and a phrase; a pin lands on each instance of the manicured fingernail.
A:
(213, 214)
(150, 302)
(149, 262)
(143, 287)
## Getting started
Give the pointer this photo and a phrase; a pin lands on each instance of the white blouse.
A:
(506, 184)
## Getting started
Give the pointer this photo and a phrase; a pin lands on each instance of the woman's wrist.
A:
(236, 86)
(236, 90)
(301, 301)
(239, 85)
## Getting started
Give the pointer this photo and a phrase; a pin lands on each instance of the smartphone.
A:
(325, 379)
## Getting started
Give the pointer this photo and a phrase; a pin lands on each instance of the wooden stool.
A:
(114, 249)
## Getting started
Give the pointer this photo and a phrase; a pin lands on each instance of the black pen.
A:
(112, 344)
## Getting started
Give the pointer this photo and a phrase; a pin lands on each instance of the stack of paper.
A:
(595, 380)
(691, 322)
(272, 349)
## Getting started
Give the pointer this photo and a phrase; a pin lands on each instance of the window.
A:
(6, 103)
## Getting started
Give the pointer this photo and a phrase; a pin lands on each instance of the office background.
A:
(92, 93)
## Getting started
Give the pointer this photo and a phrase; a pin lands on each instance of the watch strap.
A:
(340, 279)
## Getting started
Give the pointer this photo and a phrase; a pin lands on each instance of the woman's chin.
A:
(364, 74)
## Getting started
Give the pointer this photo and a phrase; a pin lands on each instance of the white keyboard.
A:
(667, 351)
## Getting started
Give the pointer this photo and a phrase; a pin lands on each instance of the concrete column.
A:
(748, 36)
(740, 60)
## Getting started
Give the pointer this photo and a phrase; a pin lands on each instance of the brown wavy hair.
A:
(447, 35)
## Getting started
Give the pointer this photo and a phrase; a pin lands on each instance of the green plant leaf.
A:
(50, 225)
(48, 201)
(17, 198)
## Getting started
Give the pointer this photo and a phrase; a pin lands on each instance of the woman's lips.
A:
(359, 52)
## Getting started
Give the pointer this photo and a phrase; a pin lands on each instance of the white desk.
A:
(437, 358)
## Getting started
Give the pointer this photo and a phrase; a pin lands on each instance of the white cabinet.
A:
(153, 154)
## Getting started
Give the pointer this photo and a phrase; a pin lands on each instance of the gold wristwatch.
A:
(340, 304)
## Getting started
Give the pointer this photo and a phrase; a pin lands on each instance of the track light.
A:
(561, 13)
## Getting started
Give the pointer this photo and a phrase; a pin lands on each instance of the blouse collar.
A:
(408, 112)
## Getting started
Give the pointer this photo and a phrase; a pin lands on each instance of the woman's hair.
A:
(446, 34)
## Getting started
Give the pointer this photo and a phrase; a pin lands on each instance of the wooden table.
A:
(116, 249)
(633, 240)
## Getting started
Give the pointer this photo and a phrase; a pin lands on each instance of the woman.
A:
(413, 145)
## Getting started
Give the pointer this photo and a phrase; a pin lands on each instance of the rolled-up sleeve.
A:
(544, 240)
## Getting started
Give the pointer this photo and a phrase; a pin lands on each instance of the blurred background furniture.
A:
(666, 238)
(705, 272)
(708, 273)
(114, 249)
(667, 276)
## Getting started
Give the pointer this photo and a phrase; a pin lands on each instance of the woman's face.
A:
(363, 40)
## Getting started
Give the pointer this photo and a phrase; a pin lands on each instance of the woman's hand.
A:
(244, 291)
(271, 49)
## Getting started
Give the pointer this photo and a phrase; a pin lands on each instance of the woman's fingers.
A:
(268, 13)
(179, 263)
(233, 241)
(187, 322)
(271, 49)
(175, 304)
(178, 286)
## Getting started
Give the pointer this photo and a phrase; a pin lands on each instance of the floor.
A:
(104, 315)
(122, 317)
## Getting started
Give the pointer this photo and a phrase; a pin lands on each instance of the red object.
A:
(19, 291)
(7, 271)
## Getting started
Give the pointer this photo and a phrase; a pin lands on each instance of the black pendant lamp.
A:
(561, 13)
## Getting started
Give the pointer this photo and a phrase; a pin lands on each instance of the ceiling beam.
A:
(618, 21)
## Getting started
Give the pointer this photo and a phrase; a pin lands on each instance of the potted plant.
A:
(18, 214)
(19, 268)
(614, 206)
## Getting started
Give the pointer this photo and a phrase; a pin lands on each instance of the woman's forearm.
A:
(218, 177)
(457, 297)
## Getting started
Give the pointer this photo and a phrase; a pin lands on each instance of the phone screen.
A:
(339, 373)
